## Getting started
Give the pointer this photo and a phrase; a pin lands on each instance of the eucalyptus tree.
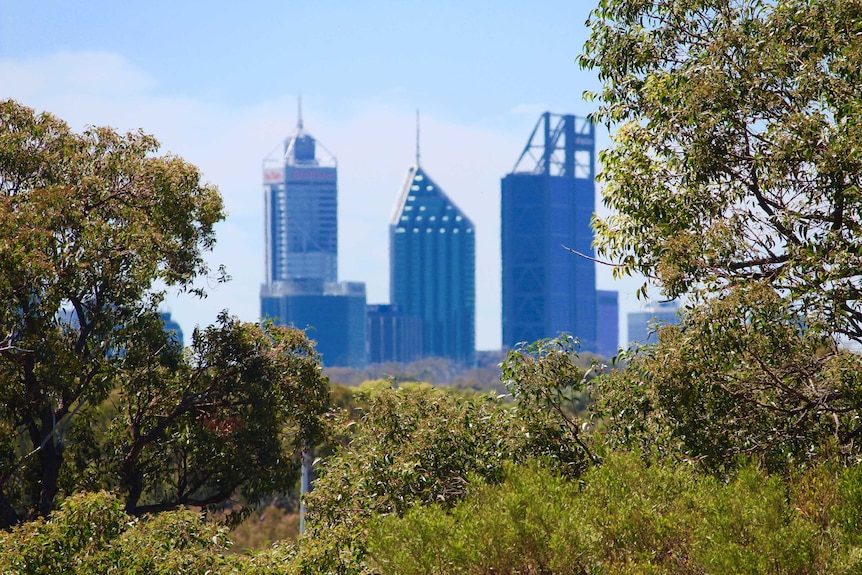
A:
(94, 227)
(734, 178)
(737, 148)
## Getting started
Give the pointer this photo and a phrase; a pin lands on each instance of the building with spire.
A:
(300, 185)
(547, 203)
(432, 266)
(301, 198)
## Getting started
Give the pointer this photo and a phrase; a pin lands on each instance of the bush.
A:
(414, 444)
(632, 516)
(514, 527)
(90, 534)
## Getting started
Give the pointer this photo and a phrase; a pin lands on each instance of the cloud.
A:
(82, 74)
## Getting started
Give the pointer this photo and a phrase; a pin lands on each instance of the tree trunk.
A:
(51, 456)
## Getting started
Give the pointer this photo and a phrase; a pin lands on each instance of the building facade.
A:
(332, 314)
(301, 222)
(607, 324)
(547, 203)
(432, 267)
(172, 328)
(393, 335)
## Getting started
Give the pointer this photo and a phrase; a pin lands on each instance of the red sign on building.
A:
(273, 176)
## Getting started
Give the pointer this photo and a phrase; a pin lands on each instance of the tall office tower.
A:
(302, 288)
(607, 326)
(643, 325)
(546, 206)
(331, 313)
(301, 200)
(432, 267)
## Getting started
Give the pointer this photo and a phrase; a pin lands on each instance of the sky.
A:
(217, 83)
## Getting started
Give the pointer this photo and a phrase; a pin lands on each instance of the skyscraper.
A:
(301, 221)
(546, 206)
(432, 267)
(393, 336)
(301, 199)
(172, 327)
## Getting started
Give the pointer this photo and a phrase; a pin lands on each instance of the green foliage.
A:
(628, 516)
(414, 444)
(79, 529)
(737, 378)
(550, 392)
(736, 155)
(749, 527)
(505, 528)
(89, 223)
(229, 418)
(90, 534)
(419, 445)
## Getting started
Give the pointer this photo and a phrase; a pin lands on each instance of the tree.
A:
(416, 445)
(226, 419)
(92, 392)
(413, 445)
(550, 386)
(736, 381)
(735, 175)
(736, 155)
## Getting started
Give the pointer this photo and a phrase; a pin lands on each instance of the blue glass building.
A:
(547, 203)
(172, 327)
(607, 324)
(393, 335)
(432, 267)
(332, 314)
(301, 221)
(301, 205)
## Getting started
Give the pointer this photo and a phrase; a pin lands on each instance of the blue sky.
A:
(217, 83)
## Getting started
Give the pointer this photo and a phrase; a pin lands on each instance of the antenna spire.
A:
(299, 112)
(417, 137)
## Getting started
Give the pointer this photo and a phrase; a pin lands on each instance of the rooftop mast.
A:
(299, 113)
(417, 138)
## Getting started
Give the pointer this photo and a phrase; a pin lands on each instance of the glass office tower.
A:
(301, 221)
(393, 336)
(607, 325)
(301, 199)
(432, 267)
(331, 313)
(546, 206)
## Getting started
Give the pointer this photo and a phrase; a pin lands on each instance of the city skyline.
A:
(218, 86)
